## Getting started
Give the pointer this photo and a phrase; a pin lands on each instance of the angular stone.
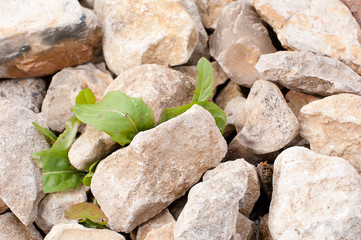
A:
(333, 127)
(314, 197)
(163, 233)
(3, 207)
(210, 11)
(309, 73)
(21, 188)
(38, 38)
(264, 233)
(232, 109)
(355, 8)
(11, 228)
(146, 31)
(230, 91)
(238, 41)
(245, 229)
(324, 27)
(296, 100)
(136, 183)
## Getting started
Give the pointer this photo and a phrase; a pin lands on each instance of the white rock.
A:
(12, 229)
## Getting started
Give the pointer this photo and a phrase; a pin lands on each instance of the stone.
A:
(21, 188)
(11, 228)
(38, 38)
(307, 72)
(264, 233)
(314, 197)
(238, 41)
(76, 231)
(245, 229)
(323, 27)
(232, 109)
(265, 174)
(177, 206)
(296, 100)
(27, 92)
(146, 32)
(333, 127)
(355, 8)
(210, 11)
(135, 183)
(87, 3)
(3, 207)
(229, 92)
(163, 233)
(64, 89)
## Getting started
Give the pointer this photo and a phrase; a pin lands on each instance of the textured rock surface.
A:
(245, 229)
(309, 73)
(11, 228)
(355, 8)
(296, 100)
(3, 207)
(210, 11)
(135, 183)
(238, 41)
(55, 34)
(230, 91)
(314, 197)
(264, 233)
(20, 185)
(326, 27)
(163, 233)
(232, 109)
(333, 127)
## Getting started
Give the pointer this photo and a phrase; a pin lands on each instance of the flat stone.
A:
(309, 73)
(296, 100)
(137, 182)
(163, 233)
(38, 38)
(355, 8)
(21, 188)
(324, 27)
(333, 127)
(245, 229)
(210, 11)
(314, 197)
(238, 41)
(11, 228)
(146, 31)
(264, 233)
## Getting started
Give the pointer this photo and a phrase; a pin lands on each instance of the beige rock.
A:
(210, 11)
(245, 229)
(324, 27)
(146, 31)
(232, 109)
(163, 233)
(355, 8)
(3, 207)
(177, 206)
(296, 100)
(136, 183)
(238, 41)
(11, 228)
(314, 197)
(38, 38)
(333, 127)
(264, 233)
(231, 90)
(87, 3)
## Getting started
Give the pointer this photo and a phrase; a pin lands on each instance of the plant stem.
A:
(131, 121)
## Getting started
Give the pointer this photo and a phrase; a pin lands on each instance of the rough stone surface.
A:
(238, 41)
(232, 109)
(163, 233)
(231, 90)
(333, 127)
(324, 27)
(210, 10)
(146, 31)
(55, 34)
(314, 197)
(296, 100)
(265, 174)
(264, 233)
(3, 207)
(20, 185)
(245, 229)
(11, 228)
(309, 73)
(136, 183)
(355, 8)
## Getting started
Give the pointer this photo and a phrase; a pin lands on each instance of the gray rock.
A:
(11, 228)
(245, 229)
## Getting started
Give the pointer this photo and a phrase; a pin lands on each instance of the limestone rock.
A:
(264, 233)
(163, 233)
(333, 127)
(232, 109)
(229, 92)
(136, 183)
(210, 11)
(238, 41)
(309, 73)
(3, 207)
(324, 27)
(144, 32)
(11, 228)
(296, 100)
(245, 229)
(21, 188)
(38, 38)
(314, 197)
(355, 8)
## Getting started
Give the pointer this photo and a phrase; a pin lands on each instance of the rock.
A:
(238, 41)
(52, 206)
(296, 100)
(87, 3)
(245, 229)
(11, 228)
(324, 27)
(136, 183)
(355, 8)
(21, 188)
(264, 233)
(163, 233)
(210, 11)
(76, 231)
(38, 38)
(232, 109)
(146, 31)
(314, 197)
(177, 206)
(28, 92)
(3, 207)
(309, 73)
(265, 174)
(230, 91)
(333, 127)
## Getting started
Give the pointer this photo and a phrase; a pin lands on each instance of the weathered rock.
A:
(11, 228)
(314, 197)
(177, 206)
(296, 100)
(232, 109)
(265, 174)
(38, 38)
(64, 88)
(333, 127)
(136, 183)
(245, 229)
(87, 3)
(210, 10)
(324, 27)
(355, 8)
(76, 231)
(309, 73)
(231, 90)
(163, 233)
(20, 185)
(238, 41)
(264, 233)
(3, 207)
(146, 31)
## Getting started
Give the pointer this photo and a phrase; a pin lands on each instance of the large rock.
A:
(324, 27)
(146, 31)
(21, 188)
(309, 73)
(12, 229)
(239, 40)
(355, 8)
(38, 38)
(333, 127)
(314, 197)
(296, 100)
(210, 10)
(136, 183)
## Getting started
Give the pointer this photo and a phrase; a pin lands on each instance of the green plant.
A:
(88, 214)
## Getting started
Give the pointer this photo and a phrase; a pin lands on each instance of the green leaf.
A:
(118, 115)
(65, 139)
(204, 81)
(86, 211)
(218, 114)
(86, 96)
(88, 178)
(173, 112)
(49, 135)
